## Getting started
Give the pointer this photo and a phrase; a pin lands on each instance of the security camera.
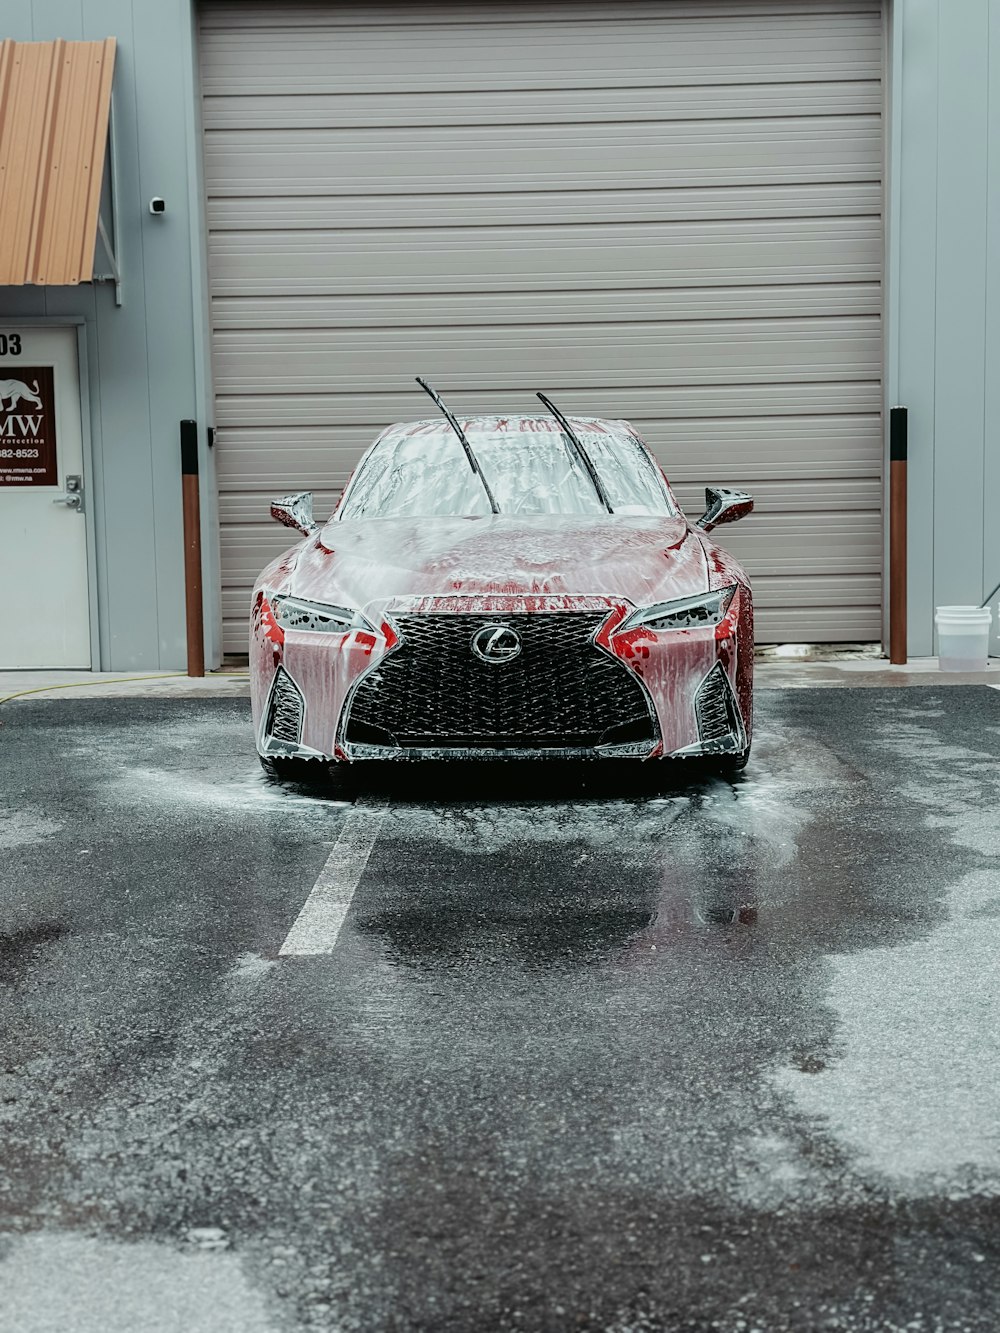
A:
(157, 206)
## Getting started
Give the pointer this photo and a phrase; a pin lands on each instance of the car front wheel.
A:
(306, 772)
(730, 764)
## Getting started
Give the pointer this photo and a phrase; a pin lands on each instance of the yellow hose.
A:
(124, 680)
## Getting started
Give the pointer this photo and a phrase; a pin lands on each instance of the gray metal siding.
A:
(663, 211)
(943, 304)
(143, 357)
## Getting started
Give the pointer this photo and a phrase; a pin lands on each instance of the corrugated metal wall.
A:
(665, 211)
(55, 100)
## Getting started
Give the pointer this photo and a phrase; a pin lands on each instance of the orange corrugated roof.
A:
(55, 98)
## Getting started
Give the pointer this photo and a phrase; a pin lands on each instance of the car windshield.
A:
(529, 472)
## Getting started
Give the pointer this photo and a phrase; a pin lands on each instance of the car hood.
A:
(641, 559)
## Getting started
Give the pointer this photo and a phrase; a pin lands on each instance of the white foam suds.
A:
(21, 828)
(915, 1093)
(57, 1280)
(242, 789)
(250, 967)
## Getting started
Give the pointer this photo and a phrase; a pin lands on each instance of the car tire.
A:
(305, 772)
(730, 764)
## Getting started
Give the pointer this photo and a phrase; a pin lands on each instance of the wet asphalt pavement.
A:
(716, 1056)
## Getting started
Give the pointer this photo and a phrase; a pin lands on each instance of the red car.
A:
(504, 587)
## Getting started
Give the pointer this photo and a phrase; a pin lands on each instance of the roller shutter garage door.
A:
(664, 211)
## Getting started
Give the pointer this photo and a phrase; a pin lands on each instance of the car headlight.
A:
(295, 613)
(703, 610)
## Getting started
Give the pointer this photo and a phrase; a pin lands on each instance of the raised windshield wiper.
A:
(584, 456)
(473, 461)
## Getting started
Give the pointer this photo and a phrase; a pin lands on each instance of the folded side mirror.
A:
(295, 511)
(724, 507)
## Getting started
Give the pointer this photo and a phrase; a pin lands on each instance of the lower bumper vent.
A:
(284, 714)
(716, 709)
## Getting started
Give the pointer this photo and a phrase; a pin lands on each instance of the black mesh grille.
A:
(715, 706)
(560, 691)
(284, 719)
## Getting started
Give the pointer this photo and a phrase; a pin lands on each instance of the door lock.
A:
(73, 496)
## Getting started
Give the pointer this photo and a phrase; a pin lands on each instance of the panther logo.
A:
(16, 391)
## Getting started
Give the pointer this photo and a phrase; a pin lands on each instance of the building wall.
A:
(943, 306)
(146, 360)
(148, 363)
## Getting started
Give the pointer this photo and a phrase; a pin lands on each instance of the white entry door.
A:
(43, 496)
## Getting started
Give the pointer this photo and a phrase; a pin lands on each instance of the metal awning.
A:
(55, 104)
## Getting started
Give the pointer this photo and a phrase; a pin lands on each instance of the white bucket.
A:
(963, 637)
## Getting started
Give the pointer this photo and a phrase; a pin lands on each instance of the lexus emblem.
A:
(496, 644)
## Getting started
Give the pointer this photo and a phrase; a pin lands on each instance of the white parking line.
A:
(319, 923)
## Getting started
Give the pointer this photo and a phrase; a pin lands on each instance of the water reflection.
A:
(553, 865)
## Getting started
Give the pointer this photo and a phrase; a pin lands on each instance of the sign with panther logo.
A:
(27, 426)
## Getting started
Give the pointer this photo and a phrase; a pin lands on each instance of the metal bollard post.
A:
(897, 535)
(192, 549)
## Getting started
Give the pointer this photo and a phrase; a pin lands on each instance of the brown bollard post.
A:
(192, 549)
(897, 535)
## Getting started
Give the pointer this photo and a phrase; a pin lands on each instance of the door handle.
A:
(72, 497)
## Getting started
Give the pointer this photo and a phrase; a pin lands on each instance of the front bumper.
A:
(583, 690)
